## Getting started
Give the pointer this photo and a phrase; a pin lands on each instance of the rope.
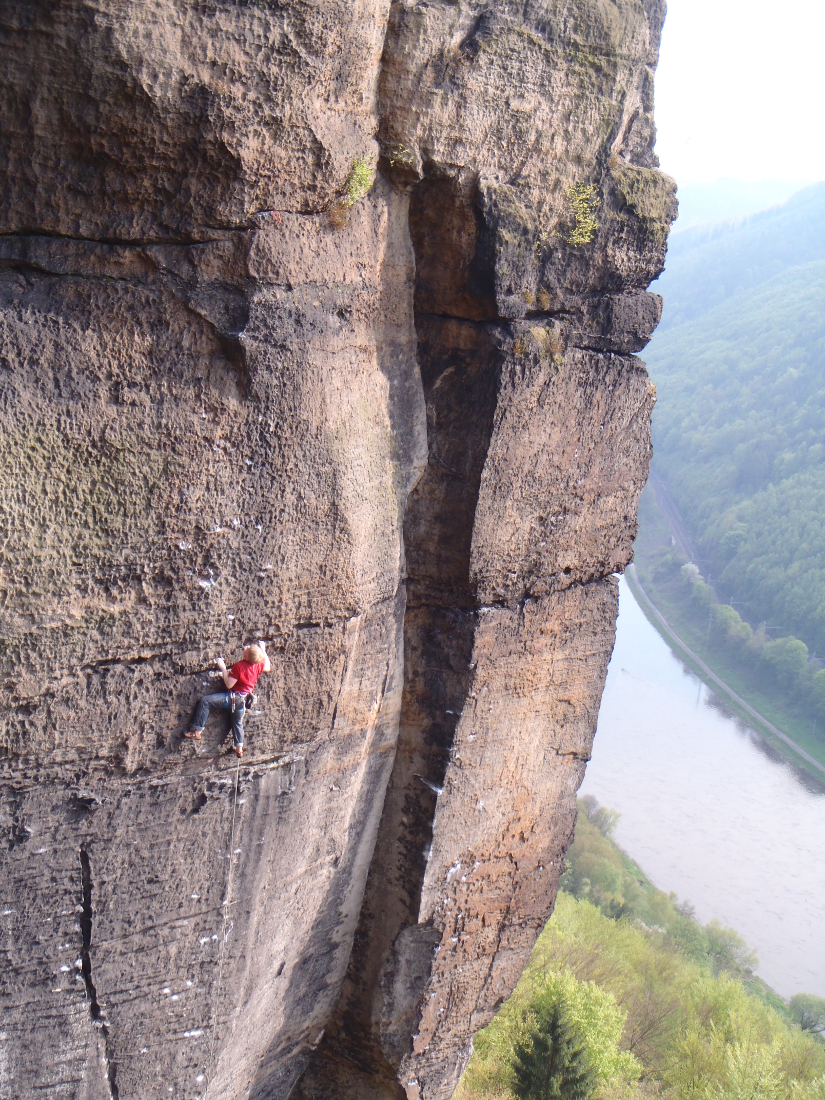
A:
(226, 903)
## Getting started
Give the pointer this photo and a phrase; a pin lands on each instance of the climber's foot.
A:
(194, 735)
(238, 750)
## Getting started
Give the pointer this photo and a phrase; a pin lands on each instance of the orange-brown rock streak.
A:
(538, 437)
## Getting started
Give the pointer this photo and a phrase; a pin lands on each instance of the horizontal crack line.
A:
(145, 242)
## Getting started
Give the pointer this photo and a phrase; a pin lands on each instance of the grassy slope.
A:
(665, 589)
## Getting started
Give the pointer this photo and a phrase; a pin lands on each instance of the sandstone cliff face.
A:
(406, 449)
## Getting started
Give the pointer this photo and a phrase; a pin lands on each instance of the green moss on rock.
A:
(648, 193)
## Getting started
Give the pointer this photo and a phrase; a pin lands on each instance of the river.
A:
(709, 809)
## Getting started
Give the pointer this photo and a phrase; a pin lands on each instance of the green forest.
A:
(739, 433)
(627, 996)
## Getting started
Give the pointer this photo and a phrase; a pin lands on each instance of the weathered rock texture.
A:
(404, 445)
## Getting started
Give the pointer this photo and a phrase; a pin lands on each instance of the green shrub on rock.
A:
(584, 203)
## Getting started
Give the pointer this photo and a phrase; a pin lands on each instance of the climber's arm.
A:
(228, 679)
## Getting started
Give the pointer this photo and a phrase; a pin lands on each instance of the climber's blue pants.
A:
(223, 700)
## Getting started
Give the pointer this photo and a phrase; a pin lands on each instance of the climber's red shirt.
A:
(246, 676)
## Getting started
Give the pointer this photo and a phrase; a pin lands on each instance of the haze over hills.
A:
(739, 427)
(728, 199)
(710, 263)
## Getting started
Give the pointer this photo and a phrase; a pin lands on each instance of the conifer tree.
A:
(549, 1064)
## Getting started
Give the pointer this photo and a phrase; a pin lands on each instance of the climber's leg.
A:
(219, 699)
(237, 725)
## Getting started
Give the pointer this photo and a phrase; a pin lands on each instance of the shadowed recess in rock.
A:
(460, 361)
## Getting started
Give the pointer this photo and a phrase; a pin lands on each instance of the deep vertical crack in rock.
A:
(86, 934)
(460, 360)
(530, 396)
(86, 924)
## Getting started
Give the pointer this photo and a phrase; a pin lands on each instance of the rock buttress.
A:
(406, 450)
(495, 118)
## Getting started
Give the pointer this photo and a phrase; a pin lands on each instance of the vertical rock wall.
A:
(538, 446)
(404, 444)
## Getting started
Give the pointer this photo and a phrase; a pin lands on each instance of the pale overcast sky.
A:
(740, 90)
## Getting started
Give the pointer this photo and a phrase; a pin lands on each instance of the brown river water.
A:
(709, 809)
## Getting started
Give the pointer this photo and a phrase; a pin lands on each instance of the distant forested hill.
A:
(739, 427)
(709, 264)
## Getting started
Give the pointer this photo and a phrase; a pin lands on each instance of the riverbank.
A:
(735, 701)
(689, 632)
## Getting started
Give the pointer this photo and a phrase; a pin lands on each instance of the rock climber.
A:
(239, 682)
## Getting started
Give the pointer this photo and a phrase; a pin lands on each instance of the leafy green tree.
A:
(759, 640)
(728, 950)
(730, 622)
(733, 538)
(642, 998)
(591, 1012)
(787, 657)
(809, 1090)
(690, 573)
(751, 1073)
(703, 594)
(603, 818)
(550, 1063)
(808, 1011)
